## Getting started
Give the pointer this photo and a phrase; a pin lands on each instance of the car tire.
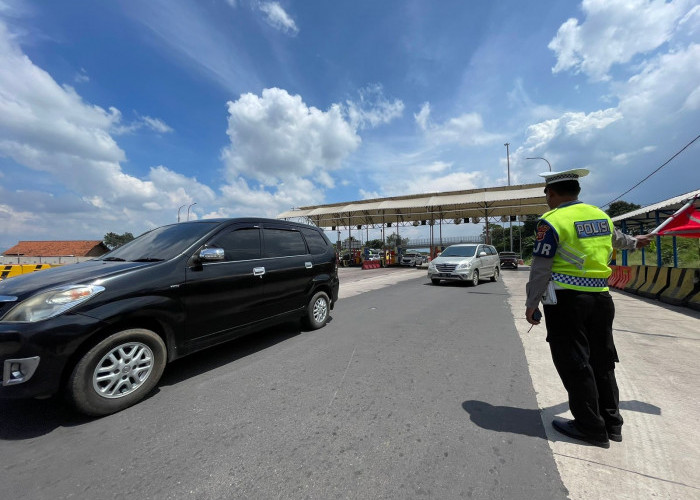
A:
(317, 311)
(496, 272)
(118, 372)
(434, 281)
(475, 278)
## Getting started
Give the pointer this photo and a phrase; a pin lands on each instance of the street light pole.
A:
(188, 210)
(540, 158)
(178, 212)
(510, 222)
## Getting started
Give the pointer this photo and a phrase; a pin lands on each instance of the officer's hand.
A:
(643, 240)
(528, 315)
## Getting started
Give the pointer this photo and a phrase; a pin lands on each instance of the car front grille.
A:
(446, 268)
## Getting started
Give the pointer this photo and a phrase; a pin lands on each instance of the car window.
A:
(162, 243)
(239, 244)
(317, 243)
(283, 242)
(458, 251)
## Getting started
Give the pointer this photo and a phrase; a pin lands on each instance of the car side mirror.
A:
(211, 254)
(482, 254)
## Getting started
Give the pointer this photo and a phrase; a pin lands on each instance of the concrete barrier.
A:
(628, 273)
(615, 275)
(30, 268)
(371, 264)
(8, 271)
(681, 286)
(626, 276)
(657, 284)
(639, 279)
(694, 301)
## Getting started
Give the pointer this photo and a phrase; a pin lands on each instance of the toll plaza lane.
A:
(410, 391)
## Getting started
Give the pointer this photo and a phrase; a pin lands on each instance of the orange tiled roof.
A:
(54, 248)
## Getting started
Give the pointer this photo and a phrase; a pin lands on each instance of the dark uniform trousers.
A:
(579, 332)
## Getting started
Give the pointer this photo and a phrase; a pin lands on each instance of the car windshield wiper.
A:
(147, 259)
(114, 259)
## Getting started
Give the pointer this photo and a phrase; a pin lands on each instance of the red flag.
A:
(685, 222)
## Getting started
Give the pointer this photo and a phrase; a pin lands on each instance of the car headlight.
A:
(50, 303)
(431, 267)
(465, 265)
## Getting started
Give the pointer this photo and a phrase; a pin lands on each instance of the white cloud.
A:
(278, 18)
(426, 182)
(373, 109)
(613, 32)
(580, 125)
(666, 87)
(155, 124)
(81, 76)
(239, 198)
(48, 128)
(277, 137)
(465, 130)
(368, 195)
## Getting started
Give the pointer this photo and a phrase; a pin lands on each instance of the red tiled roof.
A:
(55, 248)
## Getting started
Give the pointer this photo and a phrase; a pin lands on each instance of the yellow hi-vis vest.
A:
(584, 248)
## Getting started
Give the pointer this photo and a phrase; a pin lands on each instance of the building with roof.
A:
(53, 252)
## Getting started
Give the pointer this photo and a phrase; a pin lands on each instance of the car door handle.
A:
(308, 265)
(258, 271)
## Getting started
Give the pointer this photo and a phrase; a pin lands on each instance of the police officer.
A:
(573, 246)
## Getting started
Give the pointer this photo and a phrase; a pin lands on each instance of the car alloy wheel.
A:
(117, 372)
(123, 370)
(317, 311)
(475, 277)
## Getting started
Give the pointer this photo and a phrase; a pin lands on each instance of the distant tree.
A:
(394, 240)
(374, 244)
(114, 240)
(350, 242)
(620, 207)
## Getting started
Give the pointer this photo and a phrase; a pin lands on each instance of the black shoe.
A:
(568, 428)
(615, 433)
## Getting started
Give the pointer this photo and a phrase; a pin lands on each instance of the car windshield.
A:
(507, 254)
(458, 251)
(162, 243)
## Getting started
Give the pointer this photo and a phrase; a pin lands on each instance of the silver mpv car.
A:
(465, 262)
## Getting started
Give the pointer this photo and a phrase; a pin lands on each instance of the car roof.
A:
(249, 219)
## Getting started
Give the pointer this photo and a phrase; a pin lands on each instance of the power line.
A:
(662, 166)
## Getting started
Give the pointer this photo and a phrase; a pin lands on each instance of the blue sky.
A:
(113, 114)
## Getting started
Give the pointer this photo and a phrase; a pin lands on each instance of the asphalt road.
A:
(411, 391)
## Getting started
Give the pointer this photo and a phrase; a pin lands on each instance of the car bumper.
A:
(33, 356)
(457, 275)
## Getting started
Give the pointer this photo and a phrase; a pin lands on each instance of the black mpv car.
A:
(102, 331)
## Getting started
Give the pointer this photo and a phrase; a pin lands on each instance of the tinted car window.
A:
(283, 243)
(161, 244)
(317, 243)
(455, 251)
(239, 244)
